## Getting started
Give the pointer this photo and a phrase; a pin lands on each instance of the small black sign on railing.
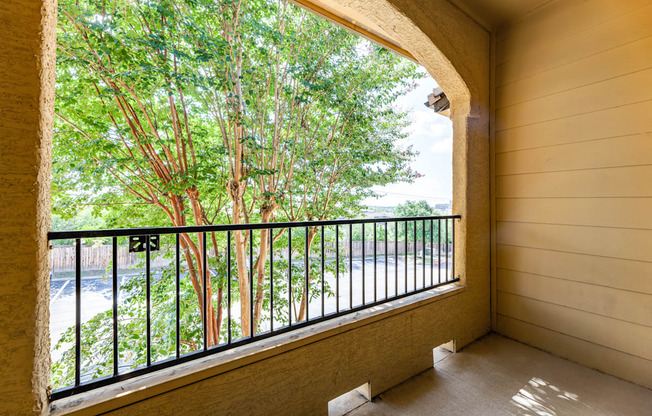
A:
(137, 243)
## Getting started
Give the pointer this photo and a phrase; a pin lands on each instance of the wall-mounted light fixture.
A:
(438, 102)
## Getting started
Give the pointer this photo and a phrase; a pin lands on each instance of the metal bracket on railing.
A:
(137, 243)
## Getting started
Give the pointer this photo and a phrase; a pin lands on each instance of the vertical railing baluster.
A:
(77, 311)
(364, 287)
(395, 258)
(177, 281)
(438, 250)
(322, 271)
(205, 285)
(115, 304)
(406, 256)
(351, 266)
(453, 251)
(337, 268)
(306, 266)
(228, 285)
(148, 301)
(447, 250)
(386, 264)
(289, 276)
(375, 261)
(414, 237)
(251, 283)
(432, 253)
(271, 280)
(423, 251)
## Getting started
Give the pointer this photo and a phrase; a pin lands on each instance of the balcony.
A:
(550, 105)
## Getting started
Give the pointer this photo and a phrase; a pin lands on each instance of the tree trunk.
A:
(235, 191)
(302, 307)
(260, 265)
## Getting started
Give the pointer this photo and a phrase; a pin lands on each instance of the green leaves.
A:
(161, 105)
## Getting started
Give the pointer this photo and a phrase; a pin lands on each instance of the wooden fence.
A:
(100, 257)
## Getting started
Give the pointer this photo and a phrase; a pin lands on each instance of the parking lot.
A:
(96, 290)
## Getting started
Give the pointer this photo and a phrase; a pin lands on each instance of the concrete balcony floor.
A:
(499, 376)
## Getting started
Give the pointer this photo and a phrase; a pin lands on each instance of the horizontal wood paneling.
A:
(594, 97)
(561, 22)
(635, 276)
(573, 184)
(613, 333)
(614, 152)
(609, 242)
(598, 212)
(622, 121)
(632, 57)
(622, 182)
(626, 366)
(607, 302)
(525, 59)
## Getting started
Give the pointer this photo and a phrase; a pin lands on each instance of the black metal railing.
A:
(303, 273)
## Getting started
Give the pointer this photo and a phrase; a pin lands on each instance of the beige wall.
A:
(573, 183)
(26, 104)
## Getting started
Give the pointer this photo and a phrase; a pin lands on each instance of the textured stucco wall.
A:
(456, 52)
(26, 105)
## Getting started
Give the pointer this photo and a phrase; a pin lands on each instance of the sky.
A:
(431, 135)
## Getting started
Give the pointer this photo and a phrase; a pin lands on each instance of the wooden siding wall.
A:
(573, 183)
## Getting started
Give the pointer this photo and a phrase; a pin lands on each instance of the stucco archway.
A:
(456, 52)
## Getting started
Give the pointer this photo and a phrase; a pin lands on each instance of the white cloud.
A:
(429, 124)
(442, 146)
(430, 135)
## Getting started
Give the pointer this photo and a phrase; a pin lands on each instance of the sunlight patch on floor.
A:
(539, 397)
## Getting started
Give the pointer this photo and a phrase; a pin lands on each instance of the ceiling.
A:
(494, 13)
(488, 13)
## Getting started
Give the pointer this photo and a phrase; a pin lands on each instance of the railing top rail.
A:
(125, 232)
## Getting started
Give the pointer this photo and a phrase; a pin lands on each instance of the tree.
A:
(415, 209)
(421, 209)
(286, 107)
(127, 126)
(221, 111)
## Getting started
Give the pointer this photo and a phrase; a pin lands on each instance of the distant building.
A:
(371, 213)
(444, 209)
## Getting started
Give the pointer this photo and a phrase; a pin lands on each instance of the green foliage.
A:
(312, 96)
(97, 332)
(405, 210)
(415, 209)
(164, 108)
(422, 209)
(85, 219)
